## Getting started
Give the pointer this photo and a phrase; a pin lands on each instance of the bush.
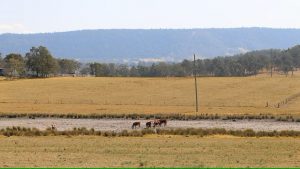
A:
(172, 116)
(249, 133)
(21, 131)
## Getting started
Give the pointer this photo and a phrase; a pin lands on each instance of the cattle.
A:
(135, 125)
(148, 124)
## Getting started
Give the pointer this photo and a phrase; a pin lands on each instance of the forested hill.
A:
(118, 45)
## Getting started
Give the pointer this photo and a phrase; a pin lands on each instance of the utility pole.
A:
(195, 75)
(271, 62)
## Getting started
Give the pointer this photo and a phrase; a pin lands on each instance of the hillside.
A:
(121, 45)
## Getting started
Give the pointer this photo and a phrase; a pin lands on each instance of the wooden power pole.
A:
(195, 75)
(271, 62)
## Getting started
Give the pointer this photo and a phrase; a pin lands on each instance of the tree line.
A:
(39, 62)
(247, 64)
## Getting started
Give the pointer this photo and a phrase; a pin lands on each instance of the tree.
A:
(40, 62)
(176, 70)
(143, 70)
(209, 67)
(188, 67)
(285, 63)
(1, 60)
(112, 69)
(235, 68)
(294, 52)
(134, 72)
(201, 67)
(99, 70)
(1, 65)
(122, 70)
(220, 68)
(160, 69)
(85, 70)
(68, 66)
(14, 65)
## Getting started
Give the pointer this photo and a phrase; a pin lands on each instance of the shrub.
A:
(249, 133)
(172, 116)
(19, 131)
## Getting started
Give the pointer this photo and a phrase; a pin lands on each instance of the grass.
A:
(149, 151)
(21, 131)
(172, 116)
(89, 95)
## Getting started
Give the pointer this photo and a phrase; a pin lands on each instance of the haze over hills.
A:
(130, 45)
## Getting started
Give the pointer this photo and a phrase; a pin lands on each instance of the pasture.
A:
(149, 151)
(113, 95)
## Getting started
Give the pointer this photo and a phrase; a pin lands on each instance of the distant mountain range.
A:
(131, 45)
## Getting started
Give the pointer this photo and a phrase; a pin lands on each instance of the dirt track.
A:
(121, 124)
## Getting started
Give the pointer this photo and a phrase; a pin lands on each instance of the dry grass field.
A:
(149, 151)
(221, 95)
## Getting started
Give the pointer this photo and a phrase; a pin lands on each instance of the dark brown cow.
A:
(136, 124)
(156, 123)
(53, 127)
(162, 122)
(159, 122)
(148, 124)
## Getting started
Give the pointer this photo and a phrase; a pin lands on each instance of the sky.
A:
(35, 16)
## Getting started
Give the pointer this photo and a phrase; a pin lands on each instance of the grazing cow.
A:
(31, 117)
(156, 123)
(135, 124)
(162, 121)
(148, 124)
(159, 122)
(53, 127)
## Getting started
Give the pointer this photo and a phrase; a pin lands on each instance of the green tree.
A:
(235, 68)
(123, 70)
(162, 69)
(143, 70)
(112, 69)
(85, 70)
(220, 68)
(294, 52)
(14, 65)
(1, 60)
(99, 70)
(134, 72)
(188, 67)
(285, 62)
(177, 70)
(68, 66)
(40, 61)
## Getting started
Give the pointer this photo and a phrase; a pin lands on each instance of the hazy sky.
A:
(22, 16)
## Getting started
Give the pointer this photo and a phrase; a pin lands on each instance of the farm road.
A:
(121, 124)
